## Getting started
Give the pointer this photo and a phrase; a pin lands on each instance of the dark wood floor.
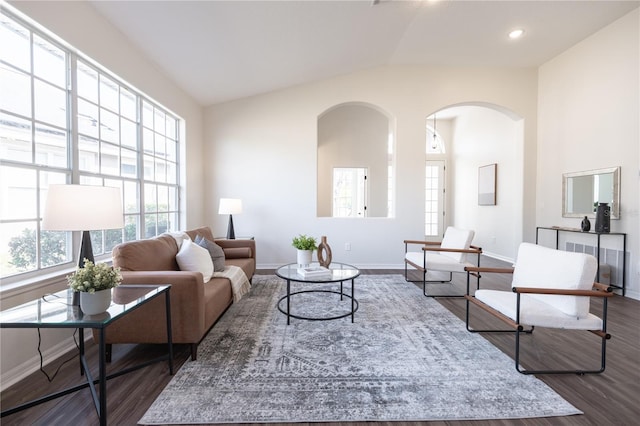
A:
(611, 398)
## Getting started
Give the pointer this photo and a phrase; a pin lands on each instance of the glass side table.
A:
(55, 311)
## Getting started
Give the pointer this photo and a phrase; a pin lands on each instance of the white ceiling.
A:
(223, 50)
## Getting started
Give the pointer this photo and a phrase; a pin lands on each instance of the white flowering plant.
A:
(94, 277)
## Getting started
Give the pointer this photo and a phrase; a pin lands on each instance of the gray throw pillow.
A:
(216, 252)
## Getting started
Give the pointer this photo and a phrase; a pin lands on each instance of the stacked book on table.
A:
(318, 272)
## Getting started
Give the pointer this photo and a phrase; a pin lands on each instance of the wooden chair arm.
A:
(490, 270)
(562, 291)
(454, 250)
(422, 242)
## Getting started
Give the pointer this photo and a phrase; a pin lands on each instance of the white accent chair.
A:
(449, 256)
(550, 288)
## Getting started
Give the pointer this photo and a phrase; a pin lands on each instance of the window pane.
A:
(109, 97)
(131, 197)
(149, 167)
(147, 140)
(160, 149)
(163, 198)
(161, 171)
(163, 223)
(15, 44)
(173, 222)
(147, 115)
(50, 104)
(18, 192)
(128, 133)
(171, 128)
(173, 199)
(128, 104)
(172, 151)
(150, 203)
(17, 247)
(112, 238)
(172, 173)
(159, 122)
(49, 62)
(109, 126)
(88, 151)
(131, 226)
(87, 82)
(109, 159)
(88, 118)
(96, 242)
(129, 163)
(55, 248)
(15, 87)
(149, 225)
(51, 146)
(15, 139)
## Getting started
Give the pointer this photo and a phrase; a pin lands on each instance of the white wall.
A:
(263, 150)
(77, 24)
(482, 136)
(589, 118)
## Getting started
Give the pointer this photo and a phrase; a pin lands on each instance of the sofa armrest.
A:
(235, 249)
(187, 309)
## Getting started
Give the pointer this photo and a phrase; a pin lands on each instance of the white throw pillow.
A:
(192, 257)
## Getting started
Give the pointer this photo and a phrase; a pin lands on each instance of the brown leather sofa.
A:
(195, 305)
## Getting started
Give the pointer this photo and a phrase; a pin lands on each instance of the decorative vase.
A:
(304, 258)
(323, 248)
(95, 303)
(603, 217)
(585, 225)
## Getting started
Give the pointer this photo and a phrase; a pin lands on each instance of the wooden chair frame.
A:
(435, 247)
(598, 290)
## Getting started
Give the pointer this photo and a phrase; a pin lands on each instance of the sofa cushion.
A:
(215, 251)
(194, 258)
(238, 252)
(154, 254)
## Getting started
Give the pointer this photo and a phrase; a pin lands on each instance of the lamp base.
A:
(231, 235)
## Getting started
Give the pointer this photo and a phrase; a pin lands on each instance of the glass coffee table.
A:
(339, 273)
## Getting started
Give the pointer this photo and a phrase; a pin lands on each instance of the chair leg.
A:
(579, 372)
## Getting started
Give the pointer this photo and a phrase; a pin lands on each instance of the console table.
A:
(55, 311)
(598, 236)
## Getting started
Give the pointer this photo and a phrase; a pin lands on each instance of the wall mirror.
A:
(582, 191)
(355, 162)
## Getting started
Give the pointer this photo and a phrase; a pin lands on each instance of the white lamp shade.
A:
(230, 206)
(82, 208)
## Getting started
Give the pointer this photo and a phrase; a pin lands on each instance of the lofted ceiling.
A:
(223, 50)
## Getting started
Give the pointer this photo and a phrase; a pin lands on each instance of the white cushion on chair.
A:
(542, 267)
(535, 312)
(456, 238)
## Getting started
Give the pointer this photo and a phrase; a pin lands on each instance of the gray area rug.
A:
(405, 358)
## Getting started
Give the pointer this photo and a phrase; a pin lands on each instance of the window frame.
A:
(73, 171)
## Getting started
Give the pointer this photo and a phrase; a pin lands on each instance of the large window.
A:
(64, 119)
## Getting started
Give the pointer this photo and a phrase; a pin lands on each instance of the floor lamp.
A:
(83, 208)
(230, 206)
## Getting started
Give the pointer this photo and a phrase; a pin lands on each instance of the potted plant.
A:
(306, 246)
(94, 283)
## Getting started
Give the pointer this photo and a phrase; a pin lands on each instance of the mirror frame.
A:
(615, 207)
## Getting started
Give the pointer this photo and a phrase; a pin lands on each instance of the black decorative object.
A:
(585, 225)
(603, 218)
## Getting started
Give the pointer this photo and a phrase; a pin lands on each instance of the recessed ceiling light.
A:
(516, 33)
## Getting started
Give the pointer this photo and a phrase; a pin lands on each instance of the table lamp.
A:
(83, 208)
(230, 206)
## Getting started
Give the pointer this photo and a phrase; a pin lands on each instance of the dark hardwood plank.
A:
(611, 398)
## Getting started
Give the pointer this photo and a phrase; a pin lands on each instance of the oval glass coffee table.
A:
(339, 273)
